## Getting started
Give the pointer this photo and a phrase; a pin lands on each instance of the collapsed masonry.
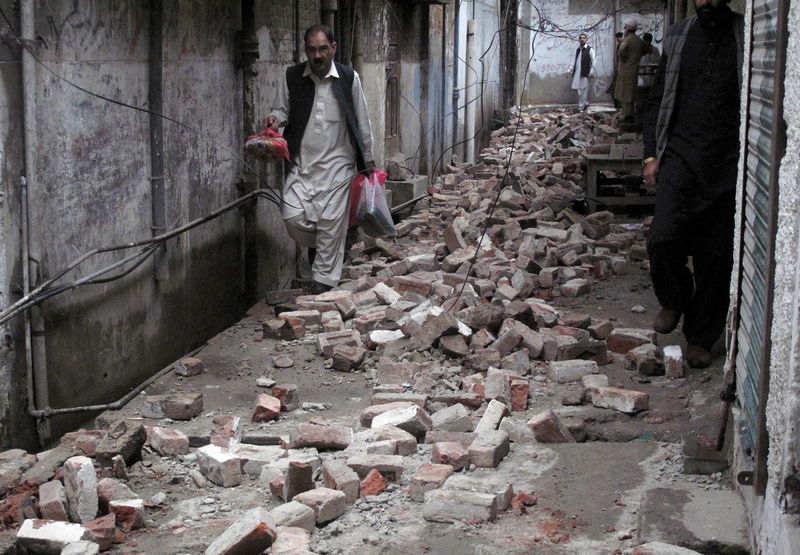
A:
(452, 320)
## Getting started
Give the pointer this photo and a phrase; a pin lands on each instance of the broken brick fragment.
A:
(373, 483)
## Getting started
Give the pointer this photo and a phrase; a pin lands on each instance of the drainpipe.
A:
(470, 95)
(456, 92)
(329, 9)
(246, 56)
(297, 39)
(35, 346)
(155, 102)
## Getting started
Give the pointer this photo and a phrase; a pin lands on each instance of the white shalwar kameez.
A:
(581, 84)
(316, 192)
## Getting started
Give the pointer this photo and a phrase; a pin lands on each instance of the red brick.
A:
(451, 453)
(102, 530)
(267, 408)
(373, 484)
(548, 428)
(224, 427)
(519, 394)
(327, 341)
(288, 395)
(347, 358)
(189, 366)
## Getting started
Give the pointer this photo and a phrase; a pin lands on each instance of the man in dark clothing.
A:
(691, 144)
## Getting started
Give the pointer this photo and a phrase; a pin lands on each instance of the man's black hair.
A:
(314, 29)
(618, 34)
(647, 37)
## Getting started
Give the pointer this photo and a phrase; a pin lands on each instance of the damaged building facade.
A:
(81, 174)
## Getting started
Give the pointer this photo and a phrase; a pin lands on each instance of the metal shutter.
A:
(765, 135)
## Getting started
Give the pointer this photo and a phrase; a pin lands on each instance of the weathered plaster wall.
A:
(12, 369)
(561, 22)
(369, 60)
(413, 129)
(274, 27)
(92, 189)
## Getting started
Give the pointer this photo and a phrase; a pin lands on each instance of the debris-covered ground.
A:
(484, 382)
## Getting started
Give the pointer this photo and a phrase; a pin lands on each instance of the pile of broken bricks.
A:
(453, 322)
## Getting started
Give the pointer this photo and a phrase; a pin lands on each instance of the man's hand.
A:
(272, 122)
(369, 167)
(650, 173)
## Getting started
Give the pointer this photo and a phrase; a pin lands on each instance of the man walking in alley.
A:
(322, 105)
(630, 51)
(691, 145)
(582, 68)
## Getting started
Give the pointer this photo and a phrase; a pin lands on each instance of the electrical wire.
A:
(271, 195)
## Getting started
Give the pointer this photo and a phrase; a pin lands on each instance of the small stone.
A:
(189, 366)
(638, 309)
(282, 362)
(673, 361)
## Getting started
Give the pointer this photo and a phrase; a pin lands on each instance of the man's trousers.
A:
(694, 221)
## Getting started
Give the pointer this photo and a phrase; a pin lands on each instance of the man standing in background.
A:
(582, 71)
(328, 131)
(630, 51)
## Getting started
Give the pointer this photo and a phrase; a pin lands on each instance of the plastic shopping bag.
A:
(373, 215)
(269, 145)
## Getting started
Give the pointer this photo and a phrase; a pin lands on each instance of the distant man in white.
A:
(328, 131)
(582, 71)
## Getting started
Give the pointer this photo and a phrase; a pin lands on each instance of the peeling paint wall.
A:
(92, 189)
(561, 21)
(13, 396)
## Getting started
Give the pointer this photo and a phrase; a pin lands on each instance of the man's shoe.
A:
(318, 288)
(698, 357)
(666, 320)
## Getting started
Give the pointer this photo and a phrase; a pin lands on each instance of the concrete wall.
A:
(274, 27)
(92, 189)
(12, 369)
(559, 23)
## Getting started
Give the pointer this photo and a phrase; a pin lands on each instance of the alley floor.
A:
(497, 380)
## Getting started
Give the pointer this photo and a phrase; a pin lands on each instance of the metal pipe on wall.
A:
(470, 95)
(155, 100)
(36, 348)
(456, 93)
(329, 9)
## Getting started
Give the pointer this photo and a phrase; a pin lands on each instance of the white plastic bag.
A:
(373, 214)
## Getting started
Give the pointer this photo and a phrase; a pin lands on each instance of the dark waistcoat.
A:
(301, 101)
(586, 61)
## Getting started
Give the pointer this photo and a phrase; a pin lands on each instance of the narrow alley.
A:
(573, 326)
(526, 409)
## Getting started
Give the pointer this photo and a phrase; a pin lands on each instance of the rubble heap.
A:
(453, 322)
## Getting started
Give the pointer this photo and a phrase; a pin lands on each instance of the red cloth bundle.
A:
(269, 145)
